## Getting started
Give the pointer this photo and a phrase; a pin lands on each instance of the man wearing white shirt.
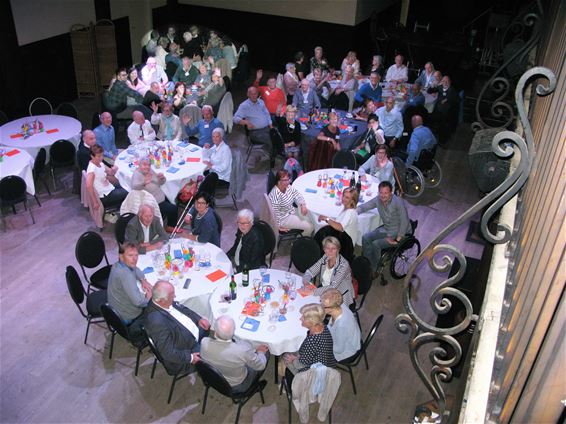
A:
(152, 72)
(391, 121)
(397, 72)
(220, 157)
(175, 330)
(140, 130)
(426, 78)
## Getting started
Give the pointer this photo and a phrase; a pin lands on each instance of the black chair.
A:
(227, 83)
(305, 251)
(120, 227)
(268, 237)
(349, 363)
(62, 155)
(3, 118)
(40, 106)
(344, 159)
(90, 251)
(158, 357)
(117, 326)
(278, 145)
(67, 109)
(13, 190)
(39, 170)
(218, 223)
(270, 181)
(347, 246)
(252, 145)
(94, 300)
(208, 185)
(212, 378)
(362, 272)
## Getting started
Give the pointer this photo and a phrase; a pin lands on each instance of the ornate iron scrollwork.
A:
(525, 31)
(440, 257)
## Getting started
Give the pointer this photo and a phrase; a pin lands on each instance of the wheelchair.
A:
(413, 179)
(400, 257)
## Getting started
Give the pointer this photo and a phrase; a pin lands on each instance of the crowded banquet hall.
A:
(268, 212)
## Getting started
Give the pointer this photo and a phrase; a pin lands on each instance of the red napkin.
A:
(54, 130)
(343, 127)
(13, 152)
(16, 136)
(307, 292)
(216, 275)
(251, 308)
(303, 119)
(192, 160)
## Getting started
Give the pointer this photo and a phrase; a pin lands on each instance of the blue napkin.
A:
(266, 278)
(181, 163)
(338, 177)
(361, 200)
(282, 318)
(172, 170)
(250, 324)
(122, 158)
(178, 254)
(343, 131)
(194, 149)
(310, 190)
(183, 144)
(131, 151)
(148, 270)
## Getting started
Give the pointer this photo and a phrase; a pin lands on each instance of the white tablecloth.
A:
(20, 164)
(68, 129)
(280, 336)
(392, 89)
(126, 162)
(197, 296)
(320, 203)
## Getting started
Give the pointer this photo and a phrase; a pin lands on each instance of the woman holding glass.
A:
(347, 220)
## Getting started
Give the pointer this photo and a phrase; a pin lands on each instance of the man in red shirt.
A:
(273, 97)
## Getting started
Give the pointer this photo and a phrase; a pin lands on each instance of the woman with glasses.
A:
(247, 250)
(202, 219)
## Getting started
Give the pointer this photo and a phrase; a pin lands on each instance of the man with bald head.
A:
(105, 136)
(238, 362)
(146, 230)
(253, 114)
(422, 138)
(140, 130)
(175, 330)
(83, 152)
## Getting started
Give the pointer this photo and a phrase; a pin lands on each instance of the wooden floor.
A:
(49, 375)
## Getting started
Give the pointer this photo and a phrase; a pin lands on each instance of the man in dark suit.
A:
(146, 230)
(444, 118)
(174, 328)
(83, 152)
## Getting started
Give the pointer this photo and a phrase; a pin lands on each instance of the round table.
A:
(186, 164)
(395, 90)
(280, 336)
(197, 295)
(18, 162)
(56, 127)
(350, 130)
(320, 203)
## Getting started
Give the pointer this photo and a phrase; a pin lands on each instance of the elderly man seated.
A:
(370, 90)
(83, 151)
(220, 157)
(305, 99)
(238, 362)
(146, 230)
(169, 124)
(152, 72)
(397, 72)
(128, 290)
(253, 114)
(186, 73)
(421, 139)
(140, 130)
(204, 127)
(153, 95)
(273, 97)
(105, 136)
(391, 121)
(175, 330)
(426, 78)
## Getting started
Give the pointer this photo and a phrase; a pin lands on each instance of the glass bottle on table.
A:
(245, 276)
(233, 286)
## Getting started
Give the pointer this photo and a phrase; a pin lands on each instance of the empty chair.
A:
(67, 109)
(270, 181)
(40, 106)
(39, 170)
(212, 378)
(90, 251)
(94, 300)
(117, 326)
(13, 190)
(349, 363)
(226, 111)
(268, 237)
(347, 247)
(62, 154)
(253, 145)
(120, 227)
(362, 272)
(305, 251)
(344, 159)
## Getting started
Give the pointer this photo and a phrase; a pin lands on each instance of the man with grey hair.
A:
(175, 330)
(238, 362)
(247, 250)
(140, 129)
(253, 115)
(169, 124)
(220, 157)
(305, 99)
(106, 137)
(204, 127)
(83, 152)
(146, 230)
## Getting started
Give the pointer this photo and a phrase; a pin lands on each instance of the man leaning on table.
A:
(174, 328)
(237, 361)
(124, 292)
(146, 230)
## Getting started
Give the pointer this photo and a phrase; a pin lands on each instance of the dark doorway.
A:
(123, 44)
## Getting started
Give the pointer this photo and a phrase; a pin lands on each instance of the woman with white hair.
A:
(318, 60)
(220, 158)
(376, 65)
(248, 248)
(290, 81)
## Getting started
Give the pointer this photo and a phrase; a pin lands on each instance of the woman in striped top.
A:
(282, 197)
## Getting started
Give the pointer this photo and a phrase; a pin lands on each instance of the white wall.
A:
(36, 20)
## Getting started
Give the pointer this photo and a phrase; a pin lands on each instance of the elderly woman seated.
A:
(219, 157)
(346, 334)
(247, 251)
(317, 346)
(98, 183)
(332, 270)
(282, 197)
(290, 130)
(347, 220)
(202, 220)
(144, 178)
